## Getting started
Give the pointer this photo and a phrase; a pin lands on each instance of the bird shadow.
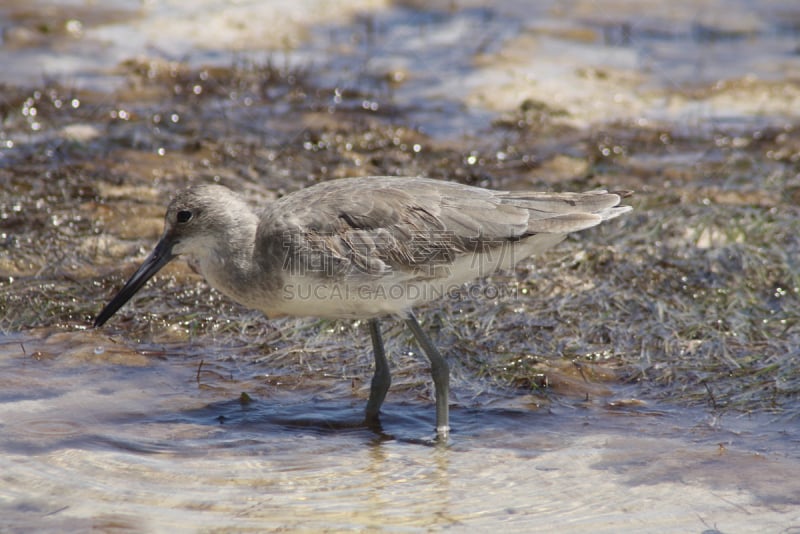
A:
(403, 422)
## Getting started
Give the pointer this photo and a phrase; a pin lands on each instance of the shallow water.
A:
(101, 430)
(453, 65)
(95, 435)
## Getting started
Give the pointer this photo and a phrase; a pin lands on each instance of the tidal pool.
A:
(100, 436)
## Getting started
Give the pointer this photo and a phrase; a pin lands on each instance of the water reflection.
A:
(144, 447)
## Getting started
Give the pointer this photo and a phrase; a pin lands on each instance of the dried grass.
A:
(693, 298)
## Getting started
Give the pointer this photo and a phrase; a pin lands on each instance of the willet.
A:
(363, 248)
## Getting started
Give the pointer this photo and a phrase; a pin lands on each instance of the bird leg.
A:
(440, 373)
(382, 378)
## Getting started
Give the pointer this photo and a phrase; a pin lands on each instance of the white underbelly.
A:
(365, 296)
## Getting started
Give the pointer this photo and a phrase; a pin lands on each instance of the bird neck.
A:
(230, 267)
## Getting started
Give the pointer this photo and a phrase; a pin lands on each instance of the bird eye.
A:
(184, 216)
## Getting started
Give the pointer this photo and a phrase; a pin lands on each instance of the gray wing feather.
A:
(375, 225)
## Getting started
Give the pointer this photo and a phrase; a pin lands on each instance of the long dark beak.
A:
(160, 256)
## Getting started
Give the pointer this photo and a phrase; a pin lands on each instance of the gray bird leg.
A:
(382, 378)
(440, 373)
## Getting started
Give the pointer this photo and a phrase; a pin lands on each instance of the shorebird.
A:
(363, 248)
